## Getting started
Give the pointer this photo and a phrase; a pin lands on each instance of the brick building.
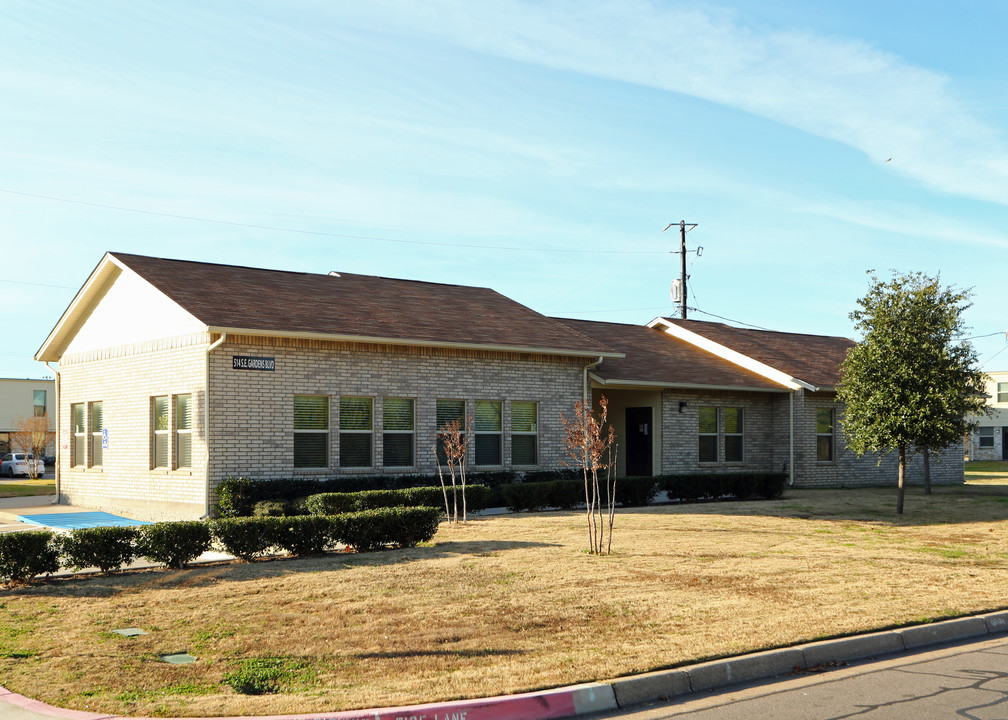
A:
(174, 375)
(990, 441)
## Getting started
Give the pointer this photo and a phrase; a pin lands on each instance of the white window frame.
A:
(700, 435)
(534, 433)
(411, 432)
(181, 433)
(483, 434)
(831, 435)
(357, 432)
(163, 434)
(312, 431)
(95, 435)
(78, 450)
(740, 434)
(985, 437)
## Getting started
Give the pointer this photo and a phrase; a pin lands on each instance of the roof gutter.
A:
(584, 389)
(56, 372)
(336, 337)
(206, 421)
(630, 384)
(732, 356)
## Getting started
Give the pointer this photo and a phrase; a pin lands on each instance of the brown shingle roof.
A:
(361, 306)
(814, 359)
(653, 356)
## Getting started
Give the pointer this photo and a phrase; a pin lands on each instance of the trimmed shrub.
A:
(636, 491)
(336, 503)
(23, 555)
(243, 537)
(399, 526)
(174, 544)
(238, 496)
(529, 496)
(302, 534)
(106, 548)
(743, 485)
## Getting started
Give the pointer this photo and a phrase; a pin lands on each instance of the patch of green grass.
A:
(260, 676)
(27, 488)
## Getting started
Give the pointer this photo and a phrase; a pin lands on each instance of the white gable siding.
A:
(131, 312)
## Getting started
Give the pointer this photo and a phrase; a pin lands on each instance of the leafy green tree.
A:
(911, 381)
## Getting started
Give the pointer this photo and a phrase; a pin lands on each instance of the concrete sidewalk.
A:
(623, 693)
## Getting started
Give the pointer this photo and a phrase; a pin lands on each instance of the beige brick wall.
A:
(125, 379)
(767, 429)
(252, 431)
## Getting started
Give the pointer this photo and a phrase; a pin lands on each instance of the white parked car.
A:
(17, 464)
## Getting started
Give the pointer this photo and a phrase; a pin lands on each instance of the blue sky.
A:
(537, 148)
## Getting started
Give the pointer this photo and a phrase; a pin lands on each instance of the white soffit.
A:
(732, 356)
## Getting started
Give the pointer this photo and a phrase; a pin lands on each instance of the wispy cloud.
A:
(833, 87)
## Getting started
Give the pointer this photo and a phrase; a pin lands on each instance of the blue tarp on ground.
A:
(71, 521)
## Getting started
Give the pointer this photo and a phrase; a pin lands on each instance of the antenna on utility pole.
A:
(679, 286)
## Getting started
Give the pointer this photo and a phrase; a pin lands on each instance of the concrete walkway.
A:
(627, 692)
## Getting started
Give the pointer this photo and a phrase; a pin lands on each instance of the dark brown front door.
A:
(639, 432)
(1004, 443)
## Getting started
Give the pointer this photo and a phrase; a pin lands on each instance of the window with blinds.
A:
(398, 432)
(707, 429)
(39, 402)
(524, 433)
(356, 430)
(487, 432)
(734, 446)
(824, 434)
(448, 411)
(78, 454)
(311, 431)
(183, 431)
(97, 425)
(160, 431)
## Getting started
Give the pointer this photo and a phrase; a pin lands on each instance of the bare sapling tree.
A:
(454, 439)
(591, 445)
(32, 436)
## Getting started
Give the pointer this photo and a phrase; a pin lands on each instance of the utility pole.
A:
(682, 266)
(683, 228)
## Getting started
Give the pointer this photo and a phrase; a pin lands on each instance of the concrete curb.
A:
(626, 692)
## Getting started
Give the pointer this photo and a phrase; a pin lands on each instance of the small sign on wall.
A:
(247, 362)
(104, 438)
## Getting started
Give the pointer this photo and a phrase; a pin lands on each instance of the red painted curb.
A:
(546, 705)
(37, 706)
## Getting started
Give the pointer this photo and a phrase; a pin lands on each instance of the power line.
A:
(322, 233)
(22, 282)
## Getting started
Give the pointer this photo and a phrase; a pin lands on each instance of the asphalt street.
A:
(965, 680)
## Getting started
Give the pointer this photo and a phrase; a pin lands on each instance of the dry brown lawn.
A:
(511, 603)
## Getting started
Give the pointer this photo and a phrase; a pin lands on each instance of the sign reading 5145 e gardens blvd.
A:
(246, 362)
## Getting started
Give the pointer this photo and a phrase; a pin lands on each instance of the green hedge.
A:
(174, 544)
(396, 526)
(335, 503)
(242, 537)
(711, 486)
(301, 535)
(106, 548)
(238, 496)
(23, 555)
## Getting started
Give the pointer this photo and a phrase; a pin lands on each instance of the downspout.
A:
(790, 481)
(584, 391)
(56, 372)
(206, 421)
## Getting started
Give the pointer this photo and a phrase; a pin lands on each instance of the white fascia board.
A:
(332, 337)
(630, 384)
(108, 270)
(732, 356)
(97, 282)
